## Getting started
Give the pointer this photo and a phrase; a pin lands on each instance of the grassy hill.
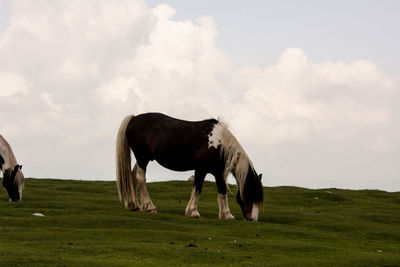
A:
(85, 224)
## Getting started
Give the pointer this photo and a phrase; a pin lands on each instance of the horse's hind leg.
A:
(224, 211)
(133, 203)
(146, 203)
(191, 208)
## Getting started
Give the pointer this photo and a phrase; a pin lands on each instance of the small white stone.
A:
(38, 214)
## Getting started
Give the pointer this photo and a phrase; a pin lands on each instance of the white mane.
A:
(236, 160)
(7, 154)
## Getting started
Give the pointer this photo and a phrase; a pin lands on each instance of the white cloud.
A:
(48, 99)
(296, 97)
(79, 67)
(11, 84)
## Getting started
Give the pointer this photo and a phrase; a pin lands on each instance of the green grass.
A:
(85, 224)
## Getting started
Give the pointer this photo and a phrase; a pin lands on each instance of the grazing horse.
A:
(203, 146)
(13, 178)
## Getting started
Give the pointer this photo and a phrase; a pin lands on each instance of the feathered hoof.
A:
(193, 213)
(226, 216)
(134, 206)
(148, 207)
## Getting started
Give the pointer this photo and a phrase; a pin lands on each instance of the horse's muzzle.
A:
(14, 199)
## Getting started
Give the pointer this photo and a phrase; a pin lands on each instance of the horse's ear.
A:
(260, 176)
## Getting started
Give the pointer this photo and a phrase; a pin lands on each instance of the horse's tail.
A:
(123, 164)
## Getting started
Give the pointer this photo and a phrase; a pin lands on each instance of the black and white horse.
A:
(203, 146)
(13, 179)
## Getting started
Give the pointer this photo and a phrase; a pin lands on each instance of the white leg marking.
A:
(140, 175)
(254, 212)
(224, 212)
(191, 208)
(133, 203)
(147, 204)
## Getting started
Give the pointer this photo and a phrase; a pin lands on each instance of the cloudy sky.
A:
(310, 89)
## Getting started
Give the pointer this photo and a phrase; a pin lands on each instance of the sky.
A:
(311, 90)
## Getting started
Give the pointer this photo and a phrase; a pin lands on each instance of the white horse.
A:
(13, 178)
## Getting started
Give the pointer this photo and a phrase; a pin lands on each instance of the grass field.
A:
(85, 224)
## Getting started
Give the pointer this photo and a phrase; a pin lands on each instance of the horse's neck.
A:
(7, 154)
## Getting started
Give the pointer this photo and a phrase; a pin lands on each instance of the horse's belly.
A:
(176, 163)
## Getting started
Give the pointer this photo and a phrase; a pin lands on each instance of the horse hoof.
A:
(133, 206)
(149, 208)
(227, 216)
(193, 214)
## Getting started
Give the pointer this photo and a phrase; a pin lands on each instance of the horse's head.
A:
(252, 197)
(13, 182)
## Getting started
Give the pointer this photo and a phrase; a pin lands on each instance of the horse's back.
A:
(149, 125)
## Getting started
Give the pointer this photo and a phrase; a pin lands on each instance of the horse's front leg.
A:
(224, 212)
(191, 208)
